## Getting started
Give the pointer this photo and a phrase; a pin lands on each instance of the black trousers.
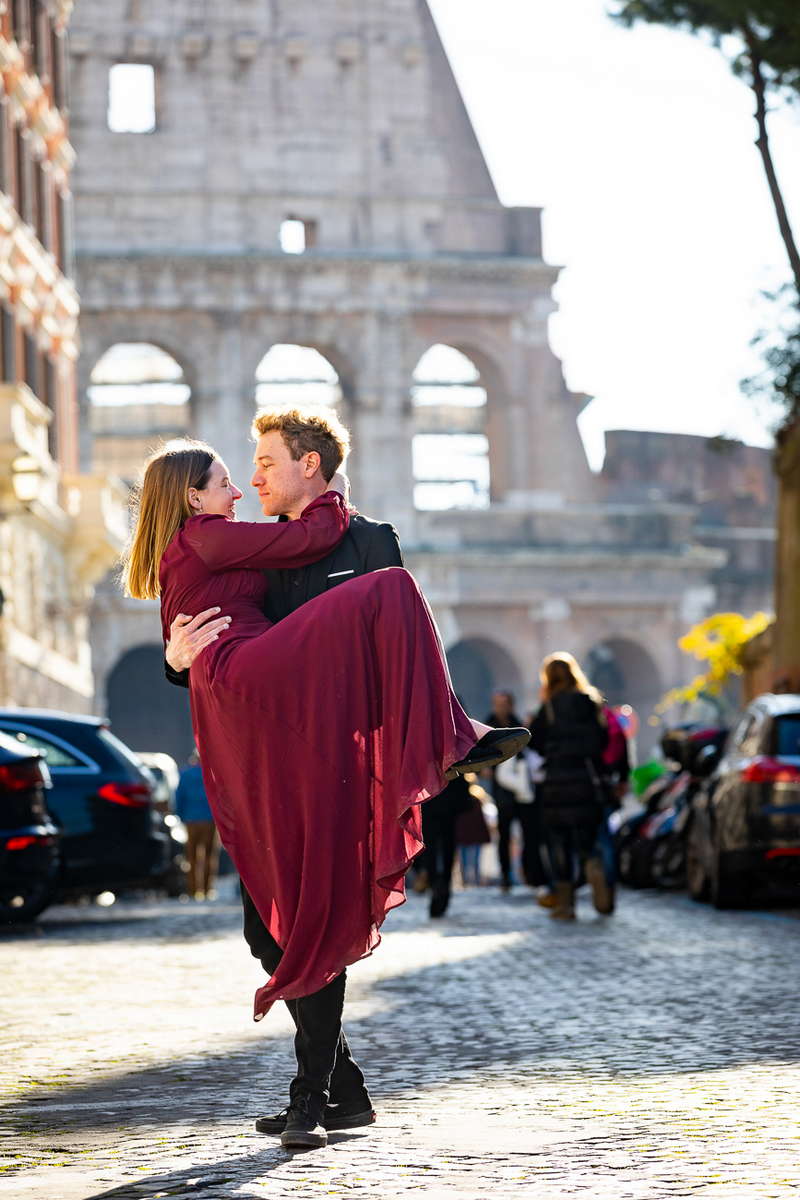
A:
(325, 1065)
(570, 838)
(509, 809)
(439, 835)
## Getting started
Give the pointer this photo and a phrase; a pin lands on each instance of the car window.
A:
(750, 741)
(54, 755)
(119, 749)
(742, 730)
(786, 735)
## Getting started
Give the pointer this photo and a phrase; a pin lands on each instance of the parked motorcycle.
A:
(652, 843)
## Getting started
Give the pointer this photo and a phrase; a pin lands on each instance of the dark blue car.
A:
(113, 837)
(745, 822)
(30, 861)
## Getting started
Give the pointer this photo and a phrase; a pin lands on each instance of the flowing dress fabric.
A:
(318, 737)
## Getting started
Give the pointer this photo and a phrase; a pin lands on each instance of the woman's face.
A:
(218, 498)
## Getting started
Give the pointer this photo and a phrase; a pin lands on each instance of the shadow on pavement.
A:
(602, 998)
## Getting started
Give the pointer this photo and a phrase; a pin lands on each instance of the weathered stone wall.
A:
(347, 116)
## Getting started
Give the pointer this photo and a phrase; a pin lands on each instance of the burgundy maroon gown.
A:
(318, 737)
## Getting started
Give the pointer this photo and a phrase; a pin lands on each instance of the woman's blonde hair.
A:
(561, 672)
(161, 505)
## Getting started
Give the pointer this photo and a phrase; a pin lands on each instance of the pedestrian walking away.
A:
(570, 732)
(318, 736)
(439, 817)
(202, 847)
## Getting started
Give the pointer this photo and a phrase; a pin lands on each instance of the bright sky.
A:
(639, 146)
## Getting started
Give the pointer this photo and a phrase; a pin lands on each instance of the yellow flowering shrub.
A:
(719, 642)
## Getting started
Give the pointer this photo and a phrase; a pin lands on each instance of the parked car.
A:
(745, 819)
(113, 838)
(30, 857)
(166, 775)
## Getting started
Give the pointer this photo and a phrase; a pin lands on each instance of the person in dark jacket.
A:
(439, 816)
(570, 732)
(510, 809)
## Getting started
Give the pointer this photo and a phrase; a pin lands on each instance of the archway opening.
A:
(625, 673)
(450, 446)
(146, 711)
(294, 376)
(479, 667)
(138, 400)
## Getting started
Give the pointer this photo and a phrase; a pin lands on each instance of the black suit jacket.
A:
(367, 546)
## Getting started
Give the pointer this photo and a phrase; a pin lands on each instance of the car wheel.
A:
(18, 905)
(696, 877)
(728, 889)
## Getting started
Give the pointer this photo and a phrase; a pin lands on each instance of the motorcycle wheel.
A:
(669, 863)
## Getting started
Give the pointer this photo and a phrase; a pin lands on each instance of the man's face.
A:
(501, 704)
(282, 482)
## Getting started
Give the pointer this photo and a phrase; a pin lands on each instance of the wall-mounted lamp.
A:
(26, 474)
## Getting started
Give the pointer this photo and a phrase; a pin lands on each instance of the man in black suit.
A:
(295, 458)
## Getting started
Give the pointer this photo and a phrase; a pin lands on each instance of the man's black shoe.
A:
(304, 1129)
(349, 1114)
(439, 902)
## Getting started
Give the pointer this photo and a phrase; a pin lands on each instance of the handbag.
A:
(515, 775)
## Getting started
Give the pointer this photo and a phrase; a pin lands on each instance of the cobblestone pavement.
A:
(655, 1054)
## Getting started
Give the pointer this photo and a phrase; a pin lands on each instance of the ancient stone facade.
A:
(344, 122)
(59, 529)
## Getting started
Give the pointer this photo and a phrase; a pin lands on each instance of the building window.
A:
(31, 364)
(297, 236)
(450, 448)
(8, 345)
(138, 400)
(132, 98)
(6, 176)
(26, 167)
(21, 23)
(291, 376)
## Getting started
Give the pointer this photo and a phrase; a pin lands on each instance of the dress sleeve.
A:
(227, 545)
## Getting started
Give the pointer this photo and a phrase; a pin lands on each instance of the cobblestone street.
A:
(655, 1054)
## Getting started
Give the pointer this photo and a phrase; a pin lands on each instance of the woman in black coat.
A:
(570, 733)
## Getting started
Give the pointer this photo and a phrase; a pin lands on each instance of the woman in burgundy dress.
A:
(318, 737)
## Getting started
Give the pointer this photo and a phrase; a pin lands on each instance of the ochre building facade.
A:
(60, 529)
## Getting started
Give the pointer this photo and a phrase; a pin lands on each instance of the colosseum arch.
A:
(146, 711)
(626, 673)
(138, 398)
(479, 666)
(450, 442)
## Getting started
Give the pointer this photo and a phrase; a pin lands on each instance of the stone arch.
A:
(626, 673)
(297, 373)
(479, 666)
(306, 334)
(137, 397)
(450, 444)
(146, 711)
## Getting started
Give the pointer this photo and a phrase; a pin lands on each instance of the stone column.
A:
(223, 407)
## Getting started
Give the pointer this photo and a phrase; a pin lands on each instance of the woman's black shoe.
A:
(494, 747)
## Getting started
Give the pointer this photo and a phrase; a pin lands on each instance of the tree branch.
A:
(759, 87)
